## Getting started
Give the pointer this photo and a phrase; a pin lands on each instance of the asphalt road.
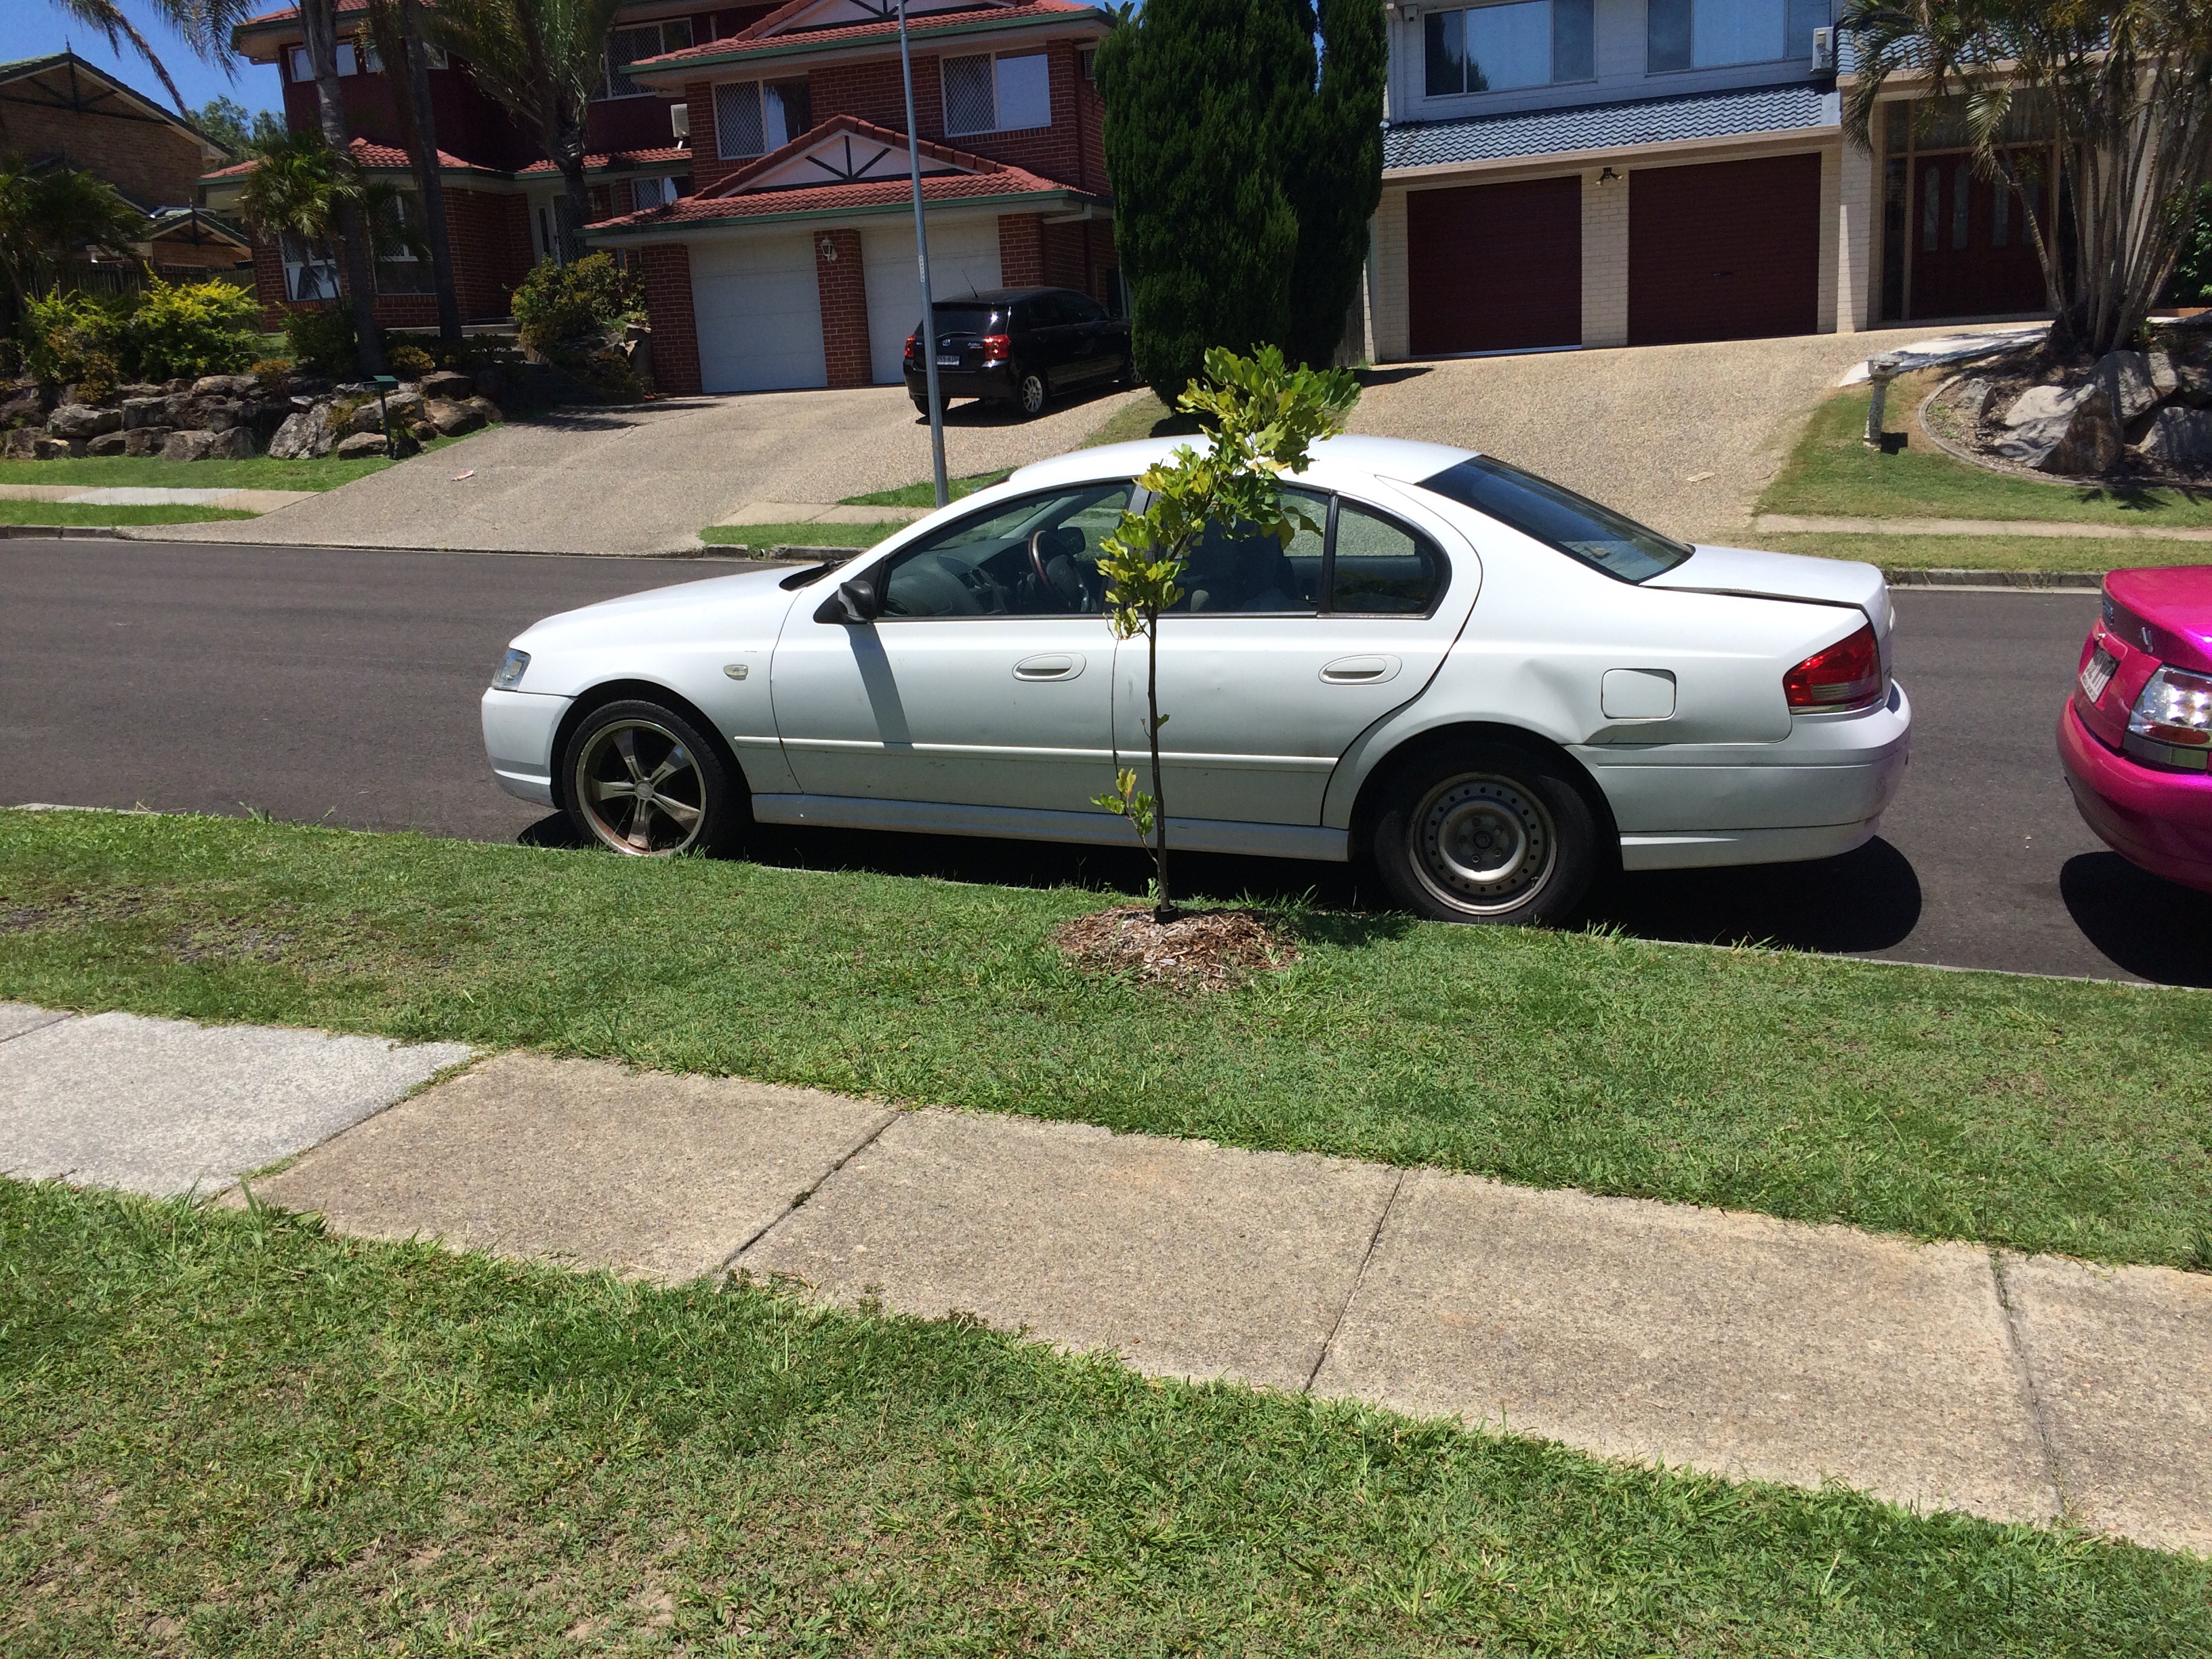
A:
(341, 687)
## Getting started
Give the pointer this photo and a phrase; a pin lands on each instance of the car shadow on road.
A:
(1867, 900)
(981, 412)
(2150, 927)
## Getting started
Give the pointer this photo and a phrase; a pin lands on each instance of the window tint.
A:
(1383, 568)
(1036, 555)
(965, 319)
(1082, 308)
(1247, 569)
(1598, 536)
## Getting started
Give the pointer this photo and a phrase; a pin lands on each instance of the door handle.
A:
(1059, 665)
(1361, 671)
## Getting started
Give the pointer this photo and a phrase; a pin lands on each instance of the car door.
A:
(988, 679)
(1057, 340)
(1278, 658)
(1095, 352)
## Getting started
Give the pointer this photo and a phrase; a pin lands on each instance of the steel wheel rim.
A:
(1482, 844)
(641, 789)
(1032, 394)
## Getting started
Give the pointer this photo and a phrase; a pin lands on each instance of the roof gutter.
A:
(673, 230)
(672, 76)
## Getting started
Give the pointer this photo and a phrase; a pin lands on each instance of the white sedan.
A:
(1491, 687)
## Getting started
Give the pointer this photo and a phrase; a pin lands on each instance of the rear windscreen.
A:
(965, 319)
(1578, 526)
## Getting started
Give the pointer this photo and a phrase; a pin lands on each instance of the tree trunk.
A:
(319, 22)
(427, 176)
(1164, 909)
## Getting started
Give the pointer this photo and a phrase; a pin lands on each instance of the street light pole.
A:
(921, 257)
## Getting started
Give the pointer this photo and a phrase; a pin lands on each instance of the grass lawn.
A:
(233, 1434)
(94, 472)
(75, 513)
(924, 493)
(1144, 417)
(2051, 1115)
(762, 537)
(2097, 553)
(1831, 471)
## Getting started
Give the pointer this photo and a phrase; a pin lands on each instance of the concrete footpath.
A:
(1941, 1376)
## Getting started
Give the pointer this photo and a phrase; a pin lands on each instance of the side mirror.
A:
(853, 603)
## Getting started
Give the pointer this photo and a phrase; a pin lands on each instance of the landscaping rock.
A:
(47, 449)
(109, 443)
(150, 410)
(488, 384)
(20, 445)
(2179, 437)
(448, 384)
(2165, 377)
(235, 443)
(366, 418)
(1974, 399)
(224, 385)
(146, 440)
(2124, 379)
(2083, 439)
(450, 420)
(360, 446)
(489, 409)
(2044, 402)
(82, 421)
(306, 435)
(21, 407)
(207, 414)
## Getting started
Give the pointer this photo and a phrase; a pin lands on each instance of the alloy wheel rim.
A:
(1032, 394)
(1482, 844)
(641, 789)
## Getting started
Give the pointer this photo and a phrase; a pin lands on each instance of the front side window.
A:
(983, 93)
(1710, 33)
(1549, 512)
(752, 118)
(1036, 555)
(1527, 43)
(634, 45)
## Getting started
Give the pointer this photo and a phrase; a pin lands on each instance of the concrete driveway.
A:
(643, 480)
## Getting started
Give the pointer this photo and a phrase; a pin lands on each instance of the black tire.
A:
(694, 802)
(1127, 374)
(1485, 832)
(1032, 396)
(921, 407)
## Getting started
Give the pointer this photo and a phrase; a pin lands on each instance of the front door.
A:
(1972, 252)
(1281, 656)
(987, 682)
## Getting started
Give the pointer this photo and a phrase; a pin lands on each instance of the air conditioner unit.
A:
(1824, 51)
(679, 119)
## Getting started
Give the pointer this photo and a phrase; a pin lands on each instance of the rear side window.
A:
(965, 319)
(1578, 526)
(1380, 569)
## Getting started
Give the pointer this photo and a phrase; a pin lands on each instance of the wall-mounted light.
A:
(1609, 177)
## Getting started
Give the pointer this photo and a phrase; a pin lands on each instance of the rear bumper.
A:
(518, 732)
(2159, 820)
(991, 383)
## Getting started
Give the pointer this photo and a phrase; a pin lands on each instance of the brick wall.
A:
(269, 284)
(844, 307)
(1605, 259)
(667, 275)
(489, 234)
(157, 165)
(1021, 250)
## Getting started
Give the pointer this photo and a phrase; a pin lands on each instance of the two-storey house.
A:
(1604, 172)
(791, 261)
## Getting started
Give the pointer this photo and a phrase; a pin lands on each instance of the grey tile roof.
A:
(1608, 126)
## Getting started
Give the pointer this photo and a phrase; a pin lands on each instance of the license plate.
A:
(948, 363)
(2097, 674)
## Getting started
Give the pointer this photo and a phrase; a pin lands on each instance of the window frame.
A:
(325, 263)
(998, 122)
(1793, 13)
(611, 77)
(1324, 604)
(1552, 30)
(879, 576)
(760, 85)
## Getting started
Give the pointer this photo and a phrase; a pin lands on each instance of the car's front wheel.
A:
(643, 779)
(1485, 833)
(1030, 393)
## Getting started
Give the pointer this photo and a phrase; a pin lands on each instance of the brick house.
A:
(1605, 172)
(791, 261)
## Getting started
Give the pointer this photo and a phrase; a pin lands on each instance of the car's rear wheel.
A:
(1030, 393)
(642, 780)
(1485, 833)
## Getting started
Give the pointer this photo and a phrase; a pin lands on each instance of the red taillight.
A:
(1847, 675)
(912, 341)
(997, 348)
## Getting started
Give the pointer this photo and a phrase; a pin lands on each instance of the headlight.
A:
(510, 669)
(2172, 722)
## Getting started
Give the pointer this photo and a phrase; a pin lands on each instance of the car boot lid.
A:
(1782, 576)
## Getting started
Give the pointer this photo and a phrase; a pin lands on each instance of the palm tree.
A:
(542, 59)
(205, 26)
(48, 214)
(397, 27)
(300, 188)
(2127, 86)
(318, 23)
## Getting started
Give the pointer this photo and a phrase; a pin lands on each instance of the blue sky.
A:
(31, 28)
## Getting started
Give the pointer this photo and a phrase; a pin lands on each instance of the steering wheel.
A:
(1037, 559)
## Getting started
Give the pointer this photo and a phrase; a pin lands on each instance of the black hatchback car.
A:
(1022, 346)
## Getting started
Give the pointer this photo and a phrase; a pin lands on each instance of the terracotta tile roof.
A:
(630, 161)
(835, 199)
(372, 157)
(762, 39)
(737, 182)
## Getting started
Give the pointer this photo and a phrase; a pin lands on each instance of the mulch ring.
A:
(1201, 949)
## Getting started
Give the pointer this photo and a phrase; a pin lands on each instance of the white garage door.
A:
(963, 259)
(759, 308)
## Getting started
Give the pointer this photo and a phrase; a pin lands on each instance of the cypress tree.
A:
(1201, 97)
(1335, 177)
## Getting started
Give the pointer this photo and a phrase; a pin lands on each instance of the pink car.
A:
(2137, 732)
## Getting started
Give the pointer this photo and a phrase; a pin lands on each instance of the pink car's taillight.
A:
(1846, 675)
(2171, 724)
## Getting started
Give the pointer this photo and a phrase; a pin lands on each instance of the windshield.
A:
(965, 319)
(1578, 526)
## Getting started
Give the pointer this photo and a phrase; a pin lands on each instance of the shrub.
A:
(411, 362)
(272, 373)
(73, 338)
(562, 302)
(323, 342)
(181, 330)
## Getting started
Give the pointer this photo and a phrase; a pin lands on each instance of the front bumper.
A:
(2157, 819)
(519, 727)
(994, 384)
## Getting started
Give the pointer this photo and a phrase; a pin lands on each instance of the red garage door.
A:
(1495, 267)
(1727, 251)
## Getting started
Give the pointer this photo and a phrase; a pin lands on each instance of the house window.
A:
(985, 94)
(634, 45)
(399, 269)
(1709, 33)
(650, 193)
(311, 270)
(1529, 42)
(752, 118)
(351, 62)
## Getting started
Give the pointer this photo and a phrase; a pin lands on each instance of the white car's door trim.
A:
(1275, 841)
